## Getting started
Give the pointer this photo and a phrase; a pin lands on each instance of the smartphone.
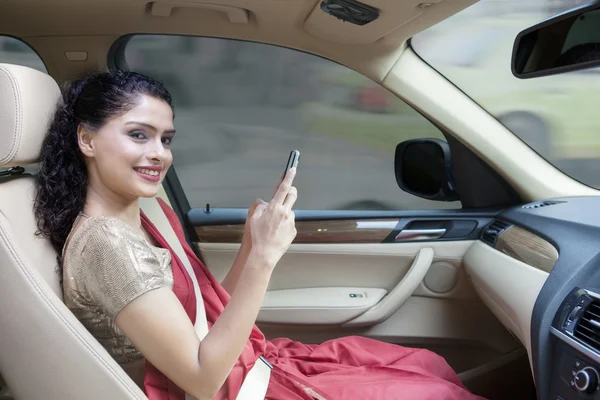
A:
(292, 161)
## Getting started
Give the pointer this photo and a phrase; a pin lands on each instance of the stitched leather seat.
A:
(45, 353)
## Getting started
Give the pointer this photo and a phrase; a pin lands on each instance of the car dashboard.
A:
(558, 240)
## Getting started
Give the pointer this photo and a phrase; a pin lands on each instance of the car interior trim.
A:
(575, 344)
(527, 247)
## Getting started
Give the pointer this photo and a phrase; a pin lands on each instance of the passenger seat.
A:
(45, 353)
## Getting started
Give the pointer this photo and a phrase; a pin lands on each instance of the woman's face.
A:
(129, 156)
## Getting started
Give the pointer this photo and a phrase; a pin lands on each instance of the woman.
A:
(109, 145)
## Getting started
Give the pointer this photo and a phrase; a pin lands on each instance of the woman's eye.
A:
(138, 135)
(167, 141)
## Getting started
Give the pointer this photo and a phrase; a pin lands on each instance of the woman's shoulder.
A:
(100, 237)
(101, 231)
(112, 263)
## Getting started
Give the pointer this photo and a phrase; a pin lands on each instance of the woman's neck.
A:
(99, 203)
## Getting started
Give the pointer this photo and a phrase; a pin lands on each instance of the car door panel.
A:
(379, 265)
(456, 318)
(415, 291)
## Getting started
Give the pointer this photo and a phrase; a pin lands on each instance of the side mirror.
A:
(424, 168)
(567, 42)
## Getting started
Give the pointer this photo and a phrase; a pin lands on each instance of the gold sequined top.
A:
(107, 264)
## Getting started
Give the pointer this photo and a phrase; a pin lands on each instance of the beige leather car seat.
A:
(45, 353)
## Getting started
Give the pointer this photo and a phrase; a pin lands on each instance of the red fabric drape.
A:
(347, 368)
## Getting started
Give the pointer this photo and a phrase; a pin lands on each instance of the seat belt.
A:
(256, 382)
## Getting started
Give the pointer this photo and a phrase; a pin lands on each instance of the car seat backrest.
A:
(45, 353)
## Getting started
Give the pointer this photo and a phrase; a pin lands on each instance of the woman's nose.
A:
(157, 151)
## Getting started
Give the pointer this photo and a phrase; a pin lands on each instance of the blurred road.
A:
(231, 164)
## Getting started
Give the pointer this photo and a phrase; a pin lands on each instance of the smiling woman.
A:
(92, 123)
(109, 146)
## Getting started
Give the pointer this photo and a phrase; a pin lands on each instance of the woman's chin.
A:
(148, 190)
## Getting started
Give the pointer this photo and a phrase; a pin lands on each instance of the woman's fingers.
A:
(254, 205)
(284, 188)
(259, 209)
(291, 198)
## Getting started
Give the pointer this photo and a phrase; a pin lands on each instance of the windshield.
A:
(555, 115)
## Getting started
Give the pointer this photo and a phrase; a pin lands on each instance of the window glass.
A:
(241, 107)
(555, 115)
(14, 51)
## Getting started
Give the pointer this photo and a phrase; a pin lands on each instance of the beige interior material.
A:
(235, 15)
(507, 286)
(326, 305)
(27, 105)
(43, 346)
(432, 94)
(421, 321)
(395, 14)
(400, 293)
(72, 25)
(375, 265)
(450, 319)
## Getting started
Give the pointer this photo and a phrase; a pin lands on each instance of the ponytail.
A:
(61, 184)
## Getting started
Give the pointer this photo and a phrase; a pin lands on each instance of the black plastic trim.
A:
(572, 13)
(446, 222)
(447, 191)
(179, 201)
(449, 219)
(594, 356)
(228, 216)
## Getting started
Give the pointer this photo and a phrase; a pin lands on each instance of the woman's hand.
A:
(272, 225)
(247, 238)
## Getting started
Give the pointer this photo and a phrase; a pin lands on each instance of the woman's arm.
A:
(233, 276)
(158, 326)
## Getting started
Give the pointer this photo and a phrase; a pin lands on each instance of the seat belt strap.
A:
(256, 382)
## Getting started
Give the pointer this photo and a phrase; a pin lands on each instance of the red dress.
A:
(347, 368)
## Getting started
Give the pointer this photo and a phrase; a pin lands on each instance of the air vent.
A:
(492, 231)
(540, 204)
(588, 326)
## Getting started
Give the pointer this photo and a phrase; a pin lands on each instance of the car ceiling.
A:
(53, 27)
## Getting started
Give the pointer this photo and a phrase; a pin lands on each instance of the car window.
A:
(465, 46)
(14, 51)
(241, 107)
(555, 115)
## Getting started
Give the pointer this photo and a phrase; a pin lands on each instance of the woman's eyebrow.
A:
(148, 126)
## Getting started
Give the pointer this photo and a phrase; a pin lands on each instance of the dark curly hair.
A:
(61, 185)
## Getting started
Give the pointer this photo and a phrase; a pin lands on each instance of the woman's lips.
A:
(151, 178)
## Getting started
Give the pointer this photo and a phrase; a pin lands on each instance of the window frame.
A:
(471, 199)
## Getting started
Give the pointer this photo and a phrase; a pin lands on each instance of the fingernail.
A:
(293, 170)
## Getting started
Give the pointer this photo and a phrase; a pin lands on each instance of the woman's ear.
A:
(84, 139)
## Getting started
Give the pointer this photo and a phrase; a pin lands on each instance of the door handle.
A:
(403, 290)
(420, 234)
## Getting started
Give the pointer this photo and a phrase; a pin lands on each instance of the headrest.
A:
(28, 99)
